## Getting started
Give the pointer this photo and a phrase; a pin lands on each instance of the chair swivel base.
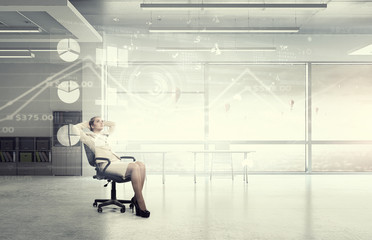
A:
(106, 202)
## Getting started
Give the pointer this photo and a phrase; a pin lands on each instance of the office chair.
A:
(103, 175)
(221, 158)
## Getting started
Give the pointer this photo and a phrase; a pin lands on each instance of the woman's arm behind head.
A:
(110, 125)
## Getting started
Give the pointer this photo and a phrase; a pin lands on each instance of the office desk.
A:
(245, 154)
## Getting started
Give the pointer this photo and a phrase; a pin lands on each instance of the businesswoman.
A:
(97, 140)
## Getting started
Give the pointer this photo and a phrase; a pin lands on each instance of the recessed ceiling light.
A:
(248, 49)
(29, 50)
(20, 30)
(17, 54)
(224, 30)
(162, 6)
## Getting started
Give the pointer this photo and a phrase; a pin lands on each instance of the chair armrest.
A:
(128, 157)
(104, 159)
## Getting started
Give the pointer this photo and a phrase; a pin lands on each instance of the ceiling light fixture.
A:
(16, 54)
(29, 50)
(161, 6)
(251, 49)
(224, 30)
(20, 30)
(29, 53)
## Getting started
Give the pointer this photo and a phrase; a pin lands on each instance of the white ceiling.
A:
(342, 27)
(340, 16)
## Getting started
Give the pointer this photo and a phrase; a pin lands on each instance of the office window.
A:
(342, 158)
(257, 102)
(342, 102)
(341, 111)
(157, 102)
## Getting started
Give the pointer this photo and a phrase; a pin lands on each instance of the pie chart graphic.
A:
(68, 49)
(68, 91)
(68, 135)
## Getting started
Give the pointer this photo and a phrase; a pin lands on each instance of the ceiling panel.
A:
(15, 19)
(57, 19)
(128, 14)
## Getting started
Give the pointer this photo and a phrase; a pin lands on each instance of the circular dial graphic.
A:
(68, 49)
(68, 91)
(159, 85)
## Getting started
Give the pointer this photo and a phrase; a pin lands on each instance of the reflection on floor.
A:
(275, 207)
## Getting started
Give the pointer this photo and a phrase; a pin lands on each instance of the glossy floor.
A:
(275, 207)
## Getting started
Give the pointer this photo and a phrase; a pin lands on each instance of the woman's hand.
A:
(85, 124)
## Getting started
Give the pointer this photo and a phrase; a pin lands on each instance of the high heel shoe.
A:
(132, 204)
(139, 211)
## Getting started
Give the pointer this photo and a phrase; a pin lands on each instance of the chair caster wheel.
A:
(122, 210)
(94, 204)
(99, 210)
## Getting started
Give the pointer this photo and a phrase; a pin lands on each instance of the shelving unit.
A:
(25, 156)
(57, 155)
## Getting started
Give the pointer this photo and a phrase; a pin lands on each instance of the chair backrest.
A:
(100, 175)
(222, 146)
(220, 158)
(90, 156)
